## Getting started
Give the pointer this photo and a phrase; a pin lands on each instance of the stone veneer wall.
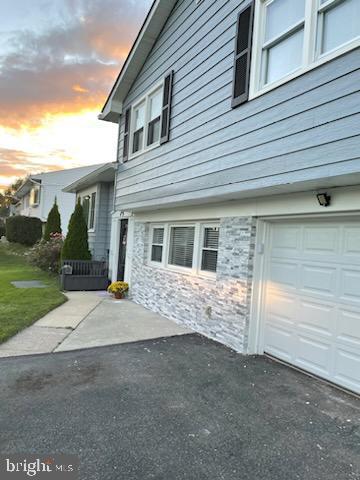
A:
(186, 298)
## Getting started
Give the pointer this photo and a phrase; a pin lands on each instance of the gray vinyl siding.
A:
(307, 129)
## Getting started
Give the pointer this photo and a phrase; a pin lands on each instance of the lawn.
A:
(19, 308)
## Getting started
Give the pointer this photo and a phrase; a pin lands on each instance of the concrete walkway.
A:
(90, 319)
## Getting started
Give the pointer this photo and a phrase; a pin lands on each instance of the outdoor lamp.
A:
(324, 199)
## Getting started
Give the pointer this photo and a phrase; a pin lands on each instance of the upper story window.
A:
(145, 127)
(147, 122)
(286, 38)
(138, 128)
(338, 24)
(291, 37)
(153, 126)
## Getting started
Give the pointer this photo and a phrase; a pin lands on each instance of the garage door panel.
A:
(286, 239)
(282, 307)
(319, 280)
(312, 310)
(350, 285)
(317, 318)
(348, 328)
(321, 241)
(352, 242)
(283, 274)
(347, 369)
(280, 342)
(314, 355)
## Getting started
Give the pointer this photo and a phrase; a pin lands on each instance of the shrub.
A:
(76, 245)
(24, 230)
(53, 222)
(2, 228)
(46, 255)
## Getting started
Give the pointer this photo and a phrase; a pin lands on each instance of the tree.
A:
(76, 245)
(8, 197)
(53, 222)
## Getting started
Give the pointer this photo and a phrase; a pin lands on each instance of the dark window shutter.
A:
(166, 108)
(242, 57)
(126, 134)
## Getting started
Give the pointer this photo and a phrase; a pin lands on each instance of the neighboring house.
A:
(96, 192)
(37, 194)
(221, 157)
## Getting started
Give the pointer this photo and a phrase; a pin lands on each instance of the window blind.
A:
(182, 246)
(210, 249)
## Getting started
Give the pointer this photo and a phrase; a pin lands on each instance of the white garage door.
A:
(312, 310)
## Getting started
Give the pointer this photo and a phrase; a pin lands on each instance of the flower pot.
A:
(118, 295)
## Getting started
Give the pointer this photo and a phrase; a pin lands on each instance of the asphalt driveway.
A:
(178, 408)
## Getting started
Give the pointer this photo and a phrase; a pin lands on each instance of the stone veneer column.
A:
(218, 308)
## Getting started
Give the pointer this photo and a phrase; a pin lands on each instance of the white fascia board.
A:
(111, 111)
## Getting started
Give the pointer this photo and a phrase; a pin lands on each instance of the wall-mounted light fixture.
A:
(324, 199)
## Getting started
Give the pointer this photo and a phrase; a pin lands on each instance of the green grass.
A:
(19, 308)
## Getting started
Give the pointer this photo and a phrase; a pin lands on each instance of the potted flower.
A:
(118, 289)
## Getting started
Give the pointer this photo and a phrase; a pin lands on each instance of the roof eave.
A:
(149, 32)
(89, 179)
(25, 187)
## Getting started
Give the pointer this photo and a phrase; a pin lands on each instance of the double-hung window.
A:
(154, 111)
(209, 248)
(147, 121)
(157, 244)
(292, 36)
(145, 126)
(138, 128)
(282, 49)
(191, 247)
(338, 23)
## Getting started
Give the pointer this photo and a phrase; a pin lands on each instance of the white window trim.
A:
(311, 59)
(144, 99)
(195, 270)
(203, 226)
(152, 228)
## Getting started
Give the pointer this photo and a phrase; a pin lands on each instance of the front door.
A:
(122, 249)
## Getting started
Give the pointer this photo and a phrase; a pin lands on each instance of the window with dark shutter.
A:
(126, 134)
(242, 57)
(166, 107)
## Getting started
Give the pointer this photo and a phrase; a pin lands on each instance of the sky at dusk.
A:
(58, 61)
